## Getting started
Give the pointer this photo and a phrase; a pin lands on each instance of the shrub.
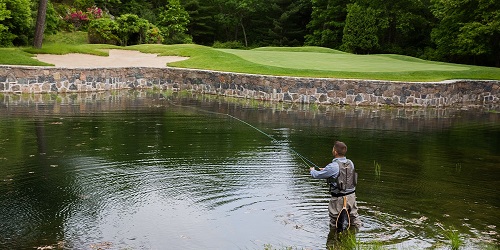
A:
(128, 29)
(131, 29)
(94, 12)
(103, 30)
(153, 35)
(228, 45)
(79, 20)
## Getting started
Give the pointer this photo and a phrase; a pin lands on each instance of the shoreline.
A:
(74, 73)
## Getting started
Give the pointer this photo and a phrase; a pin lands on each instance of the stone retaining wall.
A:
(19, 79)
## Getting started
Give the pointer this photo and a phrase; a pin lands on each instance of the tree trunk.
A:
(244, 32)
(40, 23)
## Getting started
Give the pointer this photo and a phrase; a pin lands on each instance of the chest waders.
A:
(345, 184)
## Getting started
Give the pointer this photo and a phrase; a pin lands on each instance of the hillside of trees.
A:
(459, 31)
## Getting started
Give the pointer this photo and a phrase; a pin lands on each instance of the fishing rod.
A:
(306, 161)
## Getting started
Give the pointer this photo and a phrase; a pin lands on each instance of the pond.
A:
(151, 170)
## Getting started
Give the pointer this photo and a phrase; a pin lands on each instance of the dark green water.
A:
(147, 171)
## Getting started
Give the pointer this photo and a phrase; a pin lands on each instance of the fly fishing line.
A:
(306, 161)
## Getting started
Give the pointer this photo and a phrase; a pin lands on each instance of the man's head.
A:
(340, 148)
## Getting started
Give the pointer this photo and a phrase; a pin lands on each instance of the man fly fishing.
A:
(341, 178)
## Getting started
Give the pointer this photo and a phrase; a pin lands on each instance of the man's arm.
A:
(330, 170)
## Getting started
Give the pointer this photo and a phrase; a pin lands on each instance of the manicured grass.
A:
(319, 62)
(282, 61)
(15, 56)
(75, 38)
(61, 49)
(339, 61)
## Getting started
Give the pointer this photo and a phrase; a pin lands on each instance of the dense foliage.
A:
(16, 22)
(463, 31)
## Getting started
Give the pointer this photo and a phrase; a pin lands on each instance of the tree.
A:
(467, 31)
(16, 22)
(288, 19)
(361, 28)
(233, 16)
(173, 21)
(327, 23)
(40, 23)
(407, 25)
(4, 30)
(201, 25)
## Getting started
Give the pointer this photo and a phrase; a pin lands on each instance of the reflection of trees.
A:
(40, 137)
(47, 197)
(31, 205)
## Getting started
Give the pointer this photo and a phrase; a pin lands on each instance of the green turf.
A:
(338, 61)
(15, 56)
(280, 61)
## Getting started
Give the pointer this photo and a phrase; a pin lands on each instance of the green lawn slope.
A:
(280, 61)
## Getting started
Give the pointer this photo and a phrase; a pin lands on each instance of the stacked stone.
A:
(271, 88)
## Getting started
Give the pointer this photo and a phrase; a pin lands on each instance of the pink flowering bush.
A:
(94, 12)
(79, 19)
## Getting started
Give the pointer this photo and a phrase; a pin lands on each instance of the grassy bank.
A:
(298, 61)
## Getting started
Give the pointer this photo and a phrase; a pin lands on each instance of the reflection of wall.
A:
(271, 88)
(270, 113)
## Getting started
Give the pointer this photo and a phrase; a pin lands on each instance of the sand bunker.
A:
(116, 59)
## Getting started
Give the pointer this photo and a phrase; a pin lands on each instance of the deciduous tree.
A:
(327, 23)
(173, 21)
(16, 22)
(40, 23)
(468, 31)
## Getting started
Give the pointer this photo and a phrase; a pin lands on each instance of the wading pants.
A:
(335, 206)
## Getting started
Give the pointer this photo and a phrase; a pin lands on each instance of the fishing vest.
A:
(345, 182)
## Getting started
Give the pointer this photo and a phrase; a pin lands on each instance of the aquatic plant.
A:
(454, 236)
(348, 241)
(184, 93)
(314, 107)
(270, 247)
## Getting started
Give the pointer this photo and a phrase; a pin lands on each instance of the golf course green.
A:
(338, 61)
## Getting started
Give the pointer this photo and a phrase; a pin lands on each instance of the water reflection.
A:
(153, 170)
